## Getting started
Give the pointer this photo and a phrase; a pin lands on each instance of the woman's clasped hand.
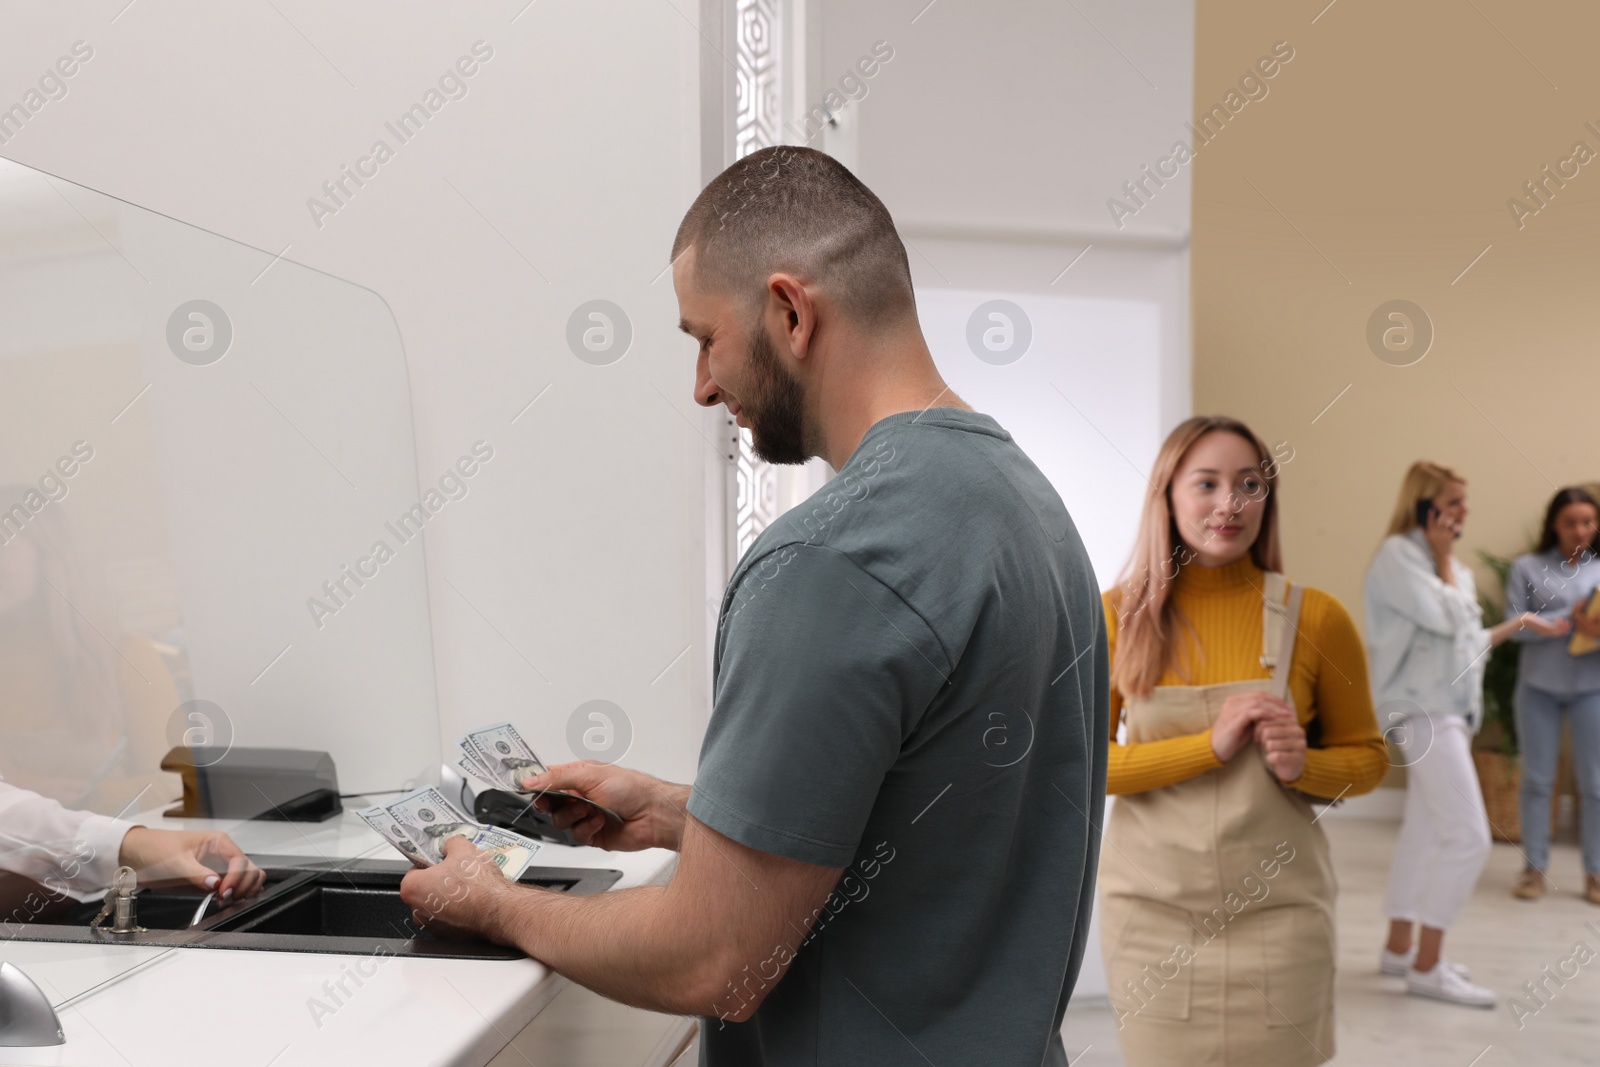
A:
(1269, 722)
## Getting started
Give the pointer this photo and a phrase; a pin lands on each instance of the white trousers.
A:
(1444, 836)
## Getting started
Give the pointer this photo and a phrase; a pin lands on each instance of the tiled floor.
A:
(1505, 942)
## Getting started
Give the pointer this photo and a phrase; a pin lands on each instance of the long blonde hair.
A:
(1424, 481)
(1147, 619)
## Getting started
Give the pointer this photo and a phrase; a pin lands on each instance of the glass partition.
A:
(210, 523)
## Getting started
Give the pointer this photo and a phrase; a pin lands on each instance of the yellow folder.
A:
(1579, 643)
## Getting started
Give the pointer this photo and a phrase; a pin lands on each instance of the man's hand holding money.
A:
(652, 810)
(462, 895)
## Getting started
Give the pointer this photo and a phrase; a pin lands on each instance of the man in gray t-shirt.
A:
(910, 683)
(888, 854)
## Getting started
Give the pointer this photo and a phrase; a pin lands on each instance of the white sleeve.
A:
(1467, 586)
(1473, 639)
(1405, 580)
(41, 840)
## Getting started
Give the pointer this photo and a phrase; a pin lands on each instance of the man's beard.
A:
(776, 406)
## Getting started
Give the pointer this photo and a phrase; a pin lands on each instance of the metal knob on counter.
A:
(26, 1017)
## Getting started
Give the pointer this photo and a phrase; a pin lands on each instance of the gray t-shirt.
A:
(911, 682)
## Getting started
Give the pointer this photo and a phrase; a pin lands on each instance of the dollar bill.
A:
(428, 819)
(419, 823)
(474, 769)
(509, 851)
(380, 820)
(472, 764)
(499, 757)
(504, 754)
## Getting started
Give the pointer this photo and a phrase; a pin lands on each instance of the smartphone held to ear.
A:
(1424, 509)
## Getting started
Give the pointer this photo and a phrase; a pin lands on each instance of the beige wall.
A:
(1391, 143)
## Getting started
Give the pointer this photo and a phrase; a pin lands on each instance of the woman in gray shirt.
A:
(1555, 581)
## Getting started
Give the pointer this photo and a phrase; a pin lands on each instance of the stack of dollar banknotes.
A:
(419, 823)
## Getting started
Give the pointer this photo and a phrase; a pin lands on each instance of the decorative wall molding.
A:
(757, 124)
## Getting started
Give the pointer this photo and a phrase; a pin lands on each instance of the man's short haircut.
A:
(795, 209)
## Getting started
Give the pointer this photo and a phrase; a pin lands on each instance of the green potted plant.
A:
(1500, 673)
(1495, 747)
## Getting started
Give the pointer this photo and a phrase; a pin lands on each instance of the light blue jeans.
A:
(1539, 737)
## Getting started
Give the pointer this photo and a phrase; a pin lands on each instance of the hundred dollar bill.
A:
(419, 823)
(509, 851)
(504, 754)
(380, 820)
(428, 819)
(504, 759)
(475, 769)
(472, 764)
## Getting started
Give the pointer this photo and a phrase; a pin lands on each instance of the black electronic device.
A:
(1426, 507)
(280, 784)
(514, 811)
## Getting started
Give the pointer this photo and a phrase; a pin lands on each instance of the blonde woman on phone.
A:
(1428, 647)
(1244, 699)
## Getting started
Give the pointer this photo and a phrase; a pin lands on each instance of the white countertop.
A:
(251, 1008)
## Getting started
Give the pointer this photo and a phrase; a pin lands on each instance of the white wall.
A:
(558, 178)
(996, 135)
(1083, 358)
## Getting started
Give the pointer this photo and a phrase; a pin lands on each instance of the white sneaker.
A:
(1444, 983)
(1396, 964)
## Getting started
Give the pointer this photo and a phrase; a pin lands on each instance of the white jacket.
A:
(1426, 643)
(69, 852)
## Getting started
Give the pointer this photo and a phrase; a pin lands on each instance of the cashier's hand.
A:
(652, 810)
(459, 897)
(205, 858)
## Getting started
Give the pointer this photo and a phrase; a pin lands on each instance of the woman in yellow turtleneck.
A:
(1242, 698)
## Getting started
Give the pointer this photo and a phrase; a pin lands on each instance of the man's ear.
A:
(798, 311)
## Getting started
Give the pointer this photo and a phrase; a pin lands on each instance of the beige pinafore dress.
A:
(1217, 893)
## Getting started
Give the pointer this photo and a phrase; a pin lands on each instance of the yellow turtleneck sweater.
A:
(1327, 682)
